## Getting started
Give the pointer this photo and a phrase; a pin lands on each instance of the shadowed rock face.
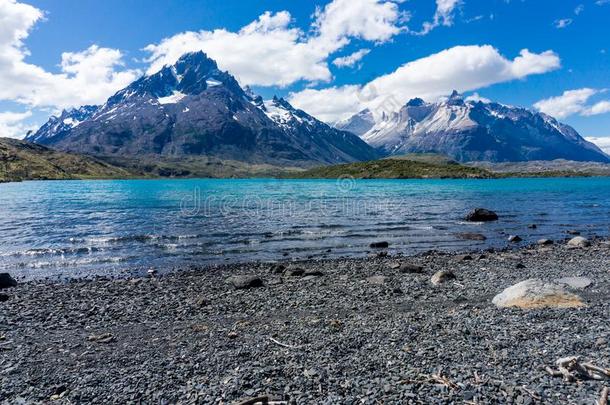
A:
(193, 108)
(474, 131)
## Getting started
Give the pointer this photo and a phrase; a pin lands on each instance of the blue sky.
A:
(323, 62)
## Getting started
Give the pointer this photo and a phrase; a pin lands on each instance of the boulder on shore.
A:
(245, 282)
(7, 281)
(579, 241)
(481, 215)
(535, 293)
(514, 239)
(442, 276)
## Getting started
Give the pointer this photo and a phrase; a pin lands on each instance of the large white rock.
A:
(579, 241)
(534, 293)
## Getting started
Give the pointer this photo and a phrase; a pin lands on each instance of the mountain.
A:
(473, 131)
(20, 160)
(57, 127)
(194, 109)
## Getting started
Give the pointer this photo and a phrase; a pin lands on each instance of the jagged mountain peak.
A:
(472, 131)
(193, 108)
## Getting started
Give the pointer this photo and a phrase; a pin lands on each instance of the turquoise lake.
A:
(85, 228)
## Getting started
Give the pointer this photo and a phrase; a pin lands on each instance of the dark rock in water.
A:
(572, 232)
(545, 242)
(3, 297)
(380, 245)
(442, 276)
(515, 239)
(411, 268)
(471, 236)
(245, 282)
(7, 281)
(532, 226)
(481, 215)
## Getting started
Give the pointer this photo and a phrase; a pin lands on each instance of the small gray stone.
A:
(245, 282)
(378, 280)
(577, 283)
(514, 239)
(442, 276)
(545, 242)
(406, 268)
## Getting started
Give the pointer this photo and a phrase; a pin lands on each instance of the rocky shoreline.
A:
(340, 331)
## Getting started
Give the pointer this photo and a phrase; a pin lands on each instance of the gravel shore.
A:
(341, 331)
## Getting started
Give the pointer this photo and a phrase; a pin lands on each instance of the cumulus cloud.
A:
(284, 54)
(573, 102)
(93, 69)
(602, 142)
(12, 124)
(442, 16)
(579, 9)
(352, 59)
(464, 68)
(476, 97)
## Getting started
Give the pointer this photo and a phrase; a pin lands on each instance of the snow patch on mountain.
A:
(174, 98)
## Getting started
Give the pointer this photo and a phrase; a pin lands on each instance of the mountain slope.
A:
(192, 109)
(475, 131)
(20, 160)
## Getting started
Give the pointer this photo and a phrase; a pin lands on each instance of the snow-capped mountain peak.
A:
(472, 130)
(193, 108)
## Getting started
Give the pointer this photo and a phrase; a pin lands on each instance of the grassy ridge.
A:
(21, 160)
(419, 167)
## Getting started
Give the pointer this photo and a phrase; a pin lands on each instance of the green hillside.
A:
(21, 160)
(403, 167)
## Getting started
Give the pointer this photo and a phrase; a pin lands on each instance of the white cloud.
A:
(564, 22)
(602, 2)
(476, 97)
(573, 102)
(442, 16)
(284, 54)
(464, 68)
(352, 59)
(601, 107)
(579, 9)
(602, 142)
(92, 69)
(12, 124)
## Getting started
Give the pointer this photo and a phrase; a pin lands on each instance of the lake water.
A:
(81, 228)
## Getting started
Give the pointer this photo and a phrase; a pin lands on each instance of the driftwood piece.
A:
(603, 399)
(572, 369)
(284, 344)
